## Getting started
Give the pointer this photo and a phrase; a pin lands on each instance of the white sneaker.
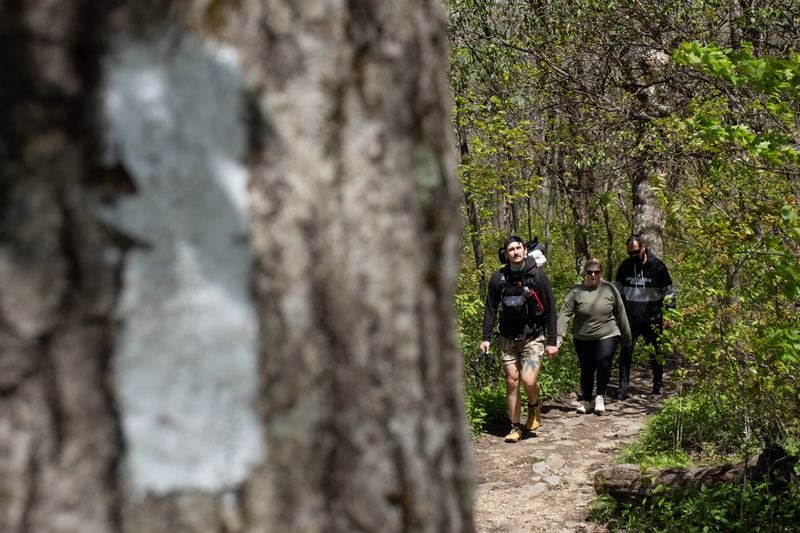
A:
(585, 407)
(599, 404)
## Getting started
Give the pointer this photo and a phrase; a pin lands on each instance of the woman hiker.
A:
(599, 323)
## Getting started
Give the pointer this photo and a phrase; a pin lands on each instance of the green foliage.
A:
(560, 376)
(486, 407)
(770, 76)
(756, 507)
(739, 241)
(688, 428)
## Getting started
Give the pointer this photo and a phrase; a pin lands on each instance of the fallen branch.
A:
(631, 483)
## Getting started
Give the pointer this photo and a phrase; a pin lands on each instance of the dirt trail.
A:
(544, 482)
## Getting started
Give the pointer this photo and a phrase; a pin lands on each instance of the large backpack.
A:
(520, 297)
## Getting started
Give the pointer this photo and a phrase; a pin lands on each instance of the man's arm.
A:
(490, 308)
(550, 317)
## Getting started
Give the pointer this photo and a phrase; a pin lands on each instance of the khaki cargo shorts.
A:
(517, 352)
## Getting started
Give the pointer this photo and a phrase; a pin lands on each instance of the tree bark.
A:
(648, 215)
(354, 226)
(579, 202)
(355, 231)
(628, 483)
(59, 436)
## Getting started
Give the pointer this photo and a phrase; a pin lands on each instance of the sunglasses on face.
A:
(592, 272)
(635, 252)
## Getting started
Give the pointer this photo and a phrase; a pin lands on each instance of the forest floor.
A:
(545, 481)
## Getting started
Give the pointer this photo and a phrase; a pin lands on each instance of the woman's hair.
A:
(592, 262)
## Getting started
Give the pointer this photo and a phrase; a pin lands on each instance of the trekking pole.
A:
(482, 359)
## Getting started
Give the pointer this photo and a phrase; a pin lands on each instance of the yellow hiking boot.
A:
(515, 434)
(534, 416)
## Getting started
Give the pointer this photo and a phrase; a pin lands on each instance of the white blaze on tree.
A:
(135, 385)
(186, 363)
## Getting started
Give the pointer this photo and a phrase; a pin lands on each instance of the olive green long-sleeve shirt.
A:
(598, 312)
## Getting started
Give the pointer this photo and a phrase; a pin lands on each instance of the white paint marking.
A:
(186, 366)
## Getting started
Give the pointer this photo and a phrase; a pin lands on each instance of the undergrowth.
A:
(753, 507)
(688, 431)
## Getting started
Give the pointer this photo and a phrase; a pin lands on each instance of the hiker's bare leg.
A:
(530, 379)
(512, 390)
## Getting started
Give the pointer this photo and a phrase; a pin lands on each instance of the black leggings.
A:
(595, 357)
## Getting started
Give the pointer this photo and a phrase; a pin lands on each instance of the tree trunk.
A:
(355, 223)
(579, 202)
(552, 198)
(473, 218)
(628, 483)
(648, 215)
(137, 395)
(59, 435)
(609, 261)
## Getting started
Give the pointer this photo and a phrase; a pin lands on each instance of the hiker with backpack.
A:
(521, 292)
(599, 324)
(646, 287)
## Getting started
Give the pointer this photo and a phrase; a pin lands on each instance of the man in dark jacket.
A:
(522, 293)
(646, 287)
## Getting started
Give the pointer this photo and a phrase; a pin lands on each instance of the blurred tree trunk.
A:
(355, 224)
(354, 204)
(59, 435)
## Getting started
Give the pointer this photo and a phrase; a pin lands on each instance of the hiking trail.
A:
(545, 481)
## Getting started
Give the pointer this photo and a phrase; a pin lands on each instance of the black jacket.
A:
(514, 327)
(646, 289)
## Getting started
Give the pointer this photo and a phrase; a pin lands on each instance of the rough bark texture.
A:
(59, 436)
(648, 215)
(355, 219)
(628, 483)
(355, 226)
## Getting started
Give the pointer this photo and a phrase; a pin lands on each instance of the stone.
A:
(555, 462)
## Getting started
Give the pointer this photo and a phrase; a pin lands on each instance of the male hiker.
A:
(646, 286)
(522, 293)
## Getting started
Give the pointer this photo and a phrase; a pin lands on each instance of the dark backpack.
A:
(520, 298)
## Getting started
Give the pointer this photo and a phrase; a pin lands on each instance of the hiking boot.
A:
(584, 407)
(534, 417)
(515, 434)
(599, 405)
(621, 395)
(656, 389)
